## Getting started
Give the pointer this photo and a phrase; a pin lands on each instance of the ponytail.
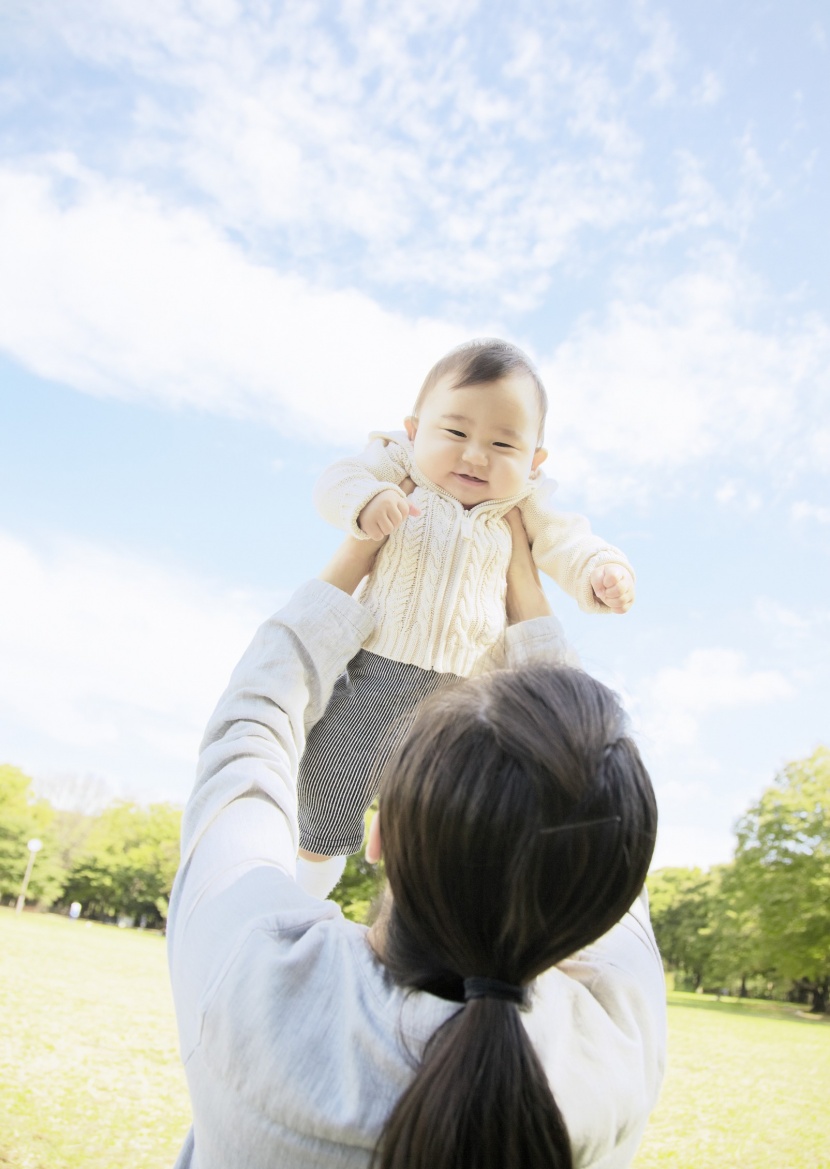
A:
(518, 823)
(480, 1099)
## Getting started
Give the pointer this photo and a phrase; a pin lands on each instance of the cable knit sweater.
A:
(437, 591)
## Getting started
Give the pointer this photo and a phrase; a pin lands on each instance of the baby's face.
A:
(478, 442)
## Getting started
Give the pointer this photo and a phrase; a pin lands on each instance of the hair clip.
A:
(580, 824)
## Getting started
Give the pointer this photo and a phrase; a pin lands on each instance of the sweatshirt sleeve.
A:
(540, 641)
(565, 548)
(256, 734)
(239, 830)
(598, 1024)
(344, 488)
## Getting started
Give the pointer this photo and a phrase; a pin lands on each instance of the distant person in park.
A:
(507, 1008)
(439, 493)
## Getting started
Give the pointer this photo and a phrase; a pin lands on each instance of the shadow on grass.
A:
(749, 1008)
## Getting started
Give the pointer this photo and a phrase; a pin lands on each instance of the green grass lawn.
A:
(747, 1088)
(90, 1076)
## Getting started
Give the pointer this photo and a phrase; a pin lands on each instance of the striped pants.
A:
(369, 712)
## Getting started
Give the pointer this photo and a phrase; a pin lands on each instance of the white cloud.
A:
(379, 140)
(107, 291)
(675, 701)
(682, 845)
(710, 90)
(802, 510)
(659, 59)
(819, 444)
(667, 380)
(738, 495)
(752, 165)
(105, 655)
(698, 203)
(110, 291)
(405, 150)
(773, 613)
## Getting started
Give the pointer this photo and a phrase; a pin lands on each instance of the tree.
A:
(683, 909)
(22, 818)
(128, 862)
(737, 953)
(782, 866)
(358, 888)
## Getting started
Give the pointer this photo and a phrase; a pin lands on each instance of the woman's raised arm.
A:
(239, 831)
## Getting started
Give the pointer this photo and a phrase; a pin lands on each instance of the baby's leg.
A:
(367, 716)
(319, 876)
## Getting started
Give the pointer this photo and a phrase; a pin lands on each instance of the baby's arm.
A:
(598, 575)
(363, 495)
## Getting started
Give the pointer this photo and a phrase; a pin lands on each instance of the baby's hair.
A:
(480, 362)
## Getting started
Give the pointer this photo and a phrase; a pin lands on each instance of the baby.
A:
(473, 450)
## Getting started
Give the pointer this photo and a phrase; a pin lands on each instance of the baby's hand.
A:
(614, 586)
(384, 513)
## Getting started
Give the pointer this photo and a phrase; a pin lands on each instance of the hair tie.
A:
(494, 988)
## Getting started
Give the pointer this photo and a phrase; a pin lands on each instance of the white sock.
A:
(319, 877)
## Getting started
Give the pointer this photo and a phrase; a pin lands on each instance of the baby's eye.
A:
(505, 445)
(456, 433)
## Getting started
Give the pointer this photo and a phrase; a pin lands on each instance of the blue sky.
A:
(234, 237)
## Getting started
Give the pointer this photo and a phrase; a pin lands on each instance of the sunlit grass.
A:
(90, 1076)
(747, 1088)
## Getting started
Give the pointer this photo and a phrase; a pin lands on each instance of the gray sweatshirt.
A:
(295, 1040)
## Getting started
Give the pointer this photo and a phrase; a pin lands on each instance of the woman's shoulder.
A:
(598, 1024)
(308, 1009)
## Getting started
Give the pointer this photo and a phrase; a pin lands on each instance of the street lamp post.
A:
(34, 846)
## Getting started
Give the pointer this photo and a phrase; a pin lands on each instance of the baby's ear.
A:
(411, 424)
(539, 458)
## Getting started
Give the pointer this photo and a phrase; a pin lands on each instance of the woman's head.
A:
(518, 823)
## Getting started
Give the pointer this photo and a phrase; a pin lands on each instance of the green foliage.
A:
(782, 868)
(128, 862)
(765, 919)
(682, 908)
(359, 888)
(22, 818)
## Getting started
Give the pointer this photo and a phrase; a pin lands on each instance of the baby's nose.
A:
(476, 454)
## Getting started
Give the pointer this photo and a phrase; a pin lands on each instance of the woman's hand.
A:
(525, 596)
(353, 560)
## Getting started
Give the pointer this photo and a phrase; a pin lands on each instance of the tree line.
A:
(759, 925)
(118, 862)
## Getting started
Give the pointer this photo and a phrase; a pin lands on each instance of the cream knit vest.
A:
(437, 591)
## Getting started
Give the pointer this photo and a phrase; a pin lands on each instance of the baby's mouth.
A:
(469, 478)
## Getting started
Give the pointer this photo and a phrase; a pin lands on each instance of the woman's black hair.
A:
(518, 823)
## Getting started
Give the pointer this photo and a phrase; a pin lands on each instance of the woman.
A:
(488, 1019)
